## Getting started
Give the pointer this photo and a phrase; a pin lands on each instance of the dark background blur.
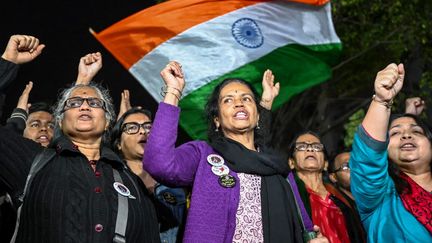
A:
(63, 26)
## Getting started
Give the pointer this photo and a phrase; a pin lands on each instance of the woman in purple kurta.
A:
(239, 191)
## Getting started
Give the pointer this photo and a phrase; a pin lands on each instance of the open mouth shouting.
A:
(43, 138)
(241, 115)
(408, 146)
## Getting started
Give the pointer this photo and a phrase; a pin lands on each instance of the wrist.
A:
(83, 79)
(9, 59)
(176, 92)
(387, 103)
(267, 104)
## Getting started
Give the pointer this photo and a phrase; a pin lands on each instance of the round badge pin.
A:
(169, 198)
(215, 160)
(121, 189)
(227, 181)
(220, 170)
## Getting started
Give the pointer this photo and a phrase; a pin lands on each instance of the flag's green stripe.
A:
(296, 67)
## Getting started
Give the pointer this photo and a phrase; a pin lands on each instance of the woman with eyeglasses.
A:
(391, 164)
(324, 203)
(129, 139)
(339, 173)
(239, 191)
(85, 193)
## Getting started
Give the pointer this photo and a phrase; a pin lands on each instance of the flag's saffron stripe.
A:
(133, 37)
(297, 67)
(212, 49)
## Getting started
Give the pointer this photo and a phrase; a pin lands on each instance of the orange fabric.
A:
(311, 2)
(133, 37)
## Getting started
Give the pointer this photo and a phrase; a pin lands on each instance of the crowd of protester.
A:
(77, 171)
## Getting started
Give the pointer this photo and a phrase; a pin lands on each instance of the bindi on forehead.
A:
(84, 91)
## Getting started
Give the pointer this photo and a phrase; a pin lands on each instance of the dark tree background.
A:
(374, 34)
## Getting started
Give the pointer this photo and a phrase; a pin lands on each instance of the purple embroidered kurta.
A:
(212, 213)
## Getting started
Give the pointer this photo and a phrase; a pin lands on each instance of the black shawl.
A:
(279, 213)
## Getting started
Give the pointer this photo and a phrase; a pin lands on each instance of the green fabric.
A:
(296, 67)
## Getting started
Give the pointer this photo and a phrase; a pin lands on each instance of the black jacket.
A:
(67, 200)
(8, 72)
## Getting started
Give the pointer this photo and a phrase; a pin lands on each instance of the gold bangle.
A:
(174, 89)
(163, 93)
(165, 89)
(387, 104)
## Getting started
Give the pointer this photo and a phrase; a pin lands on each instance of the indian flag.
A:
(217, 39)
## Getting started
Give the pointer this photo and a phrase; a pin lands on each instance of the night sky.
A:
(63, 27)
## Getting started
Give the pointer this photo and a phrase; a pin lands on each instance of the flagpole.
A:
(92, 31)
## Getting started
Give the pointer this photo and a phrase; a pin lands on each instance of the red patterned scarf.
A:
(418, 202)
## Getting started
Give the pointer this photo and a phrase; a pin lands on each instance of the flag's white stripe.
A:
(209, 50)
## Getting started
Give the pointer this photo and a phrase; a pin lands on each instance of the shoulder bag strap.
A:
(122, 213)
(38, 163)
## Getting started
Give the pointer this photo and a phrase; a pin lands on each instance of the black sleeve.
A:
(17, 154)
(8, 72)
(17, 121)
(264, 132)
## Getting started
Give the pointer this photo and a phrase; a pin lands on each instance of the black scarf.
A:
(279, 213)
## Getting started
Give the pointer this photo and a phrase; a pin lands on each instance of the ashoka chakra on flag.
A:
(247, 33)
(214, 40)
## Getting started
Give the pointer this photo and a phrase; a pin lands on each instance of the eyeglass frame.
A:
(309, 145)
(343, 167)
(140, 125)
(65, 108)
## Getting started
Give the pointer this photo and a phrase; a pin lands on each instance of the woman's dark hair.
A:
(116, 131)
(393, 169)
(212, 108)
(291, 147)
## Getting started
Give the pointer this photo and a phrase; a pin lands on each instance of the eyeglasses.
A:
(343, 167)
(316, 147)
(76, 102)
(134, 127)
